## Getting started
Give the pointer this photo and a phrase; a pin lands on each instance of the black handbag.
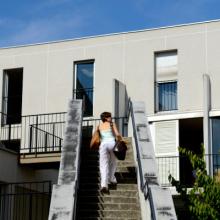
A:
(120, 149)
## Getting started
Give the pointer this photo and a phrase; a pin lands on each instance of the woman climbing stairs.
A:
(122, 201)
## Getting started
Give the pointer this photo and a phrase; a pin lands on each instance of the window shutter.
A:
(166, 66)
(166, 148)
(166, 137)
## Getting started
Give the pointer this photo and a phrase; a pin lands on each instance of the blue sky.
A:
(26, 22)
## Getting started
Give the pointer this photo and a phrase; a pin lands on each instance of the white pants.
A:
(107, 163)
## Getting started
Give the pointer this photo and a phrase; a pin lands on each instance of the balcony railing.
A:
(180, 168)
(25, 201)
(36, 133)
(43, 133)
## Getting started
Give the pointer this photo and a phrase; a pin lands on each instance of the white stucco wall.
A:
(128, 57)
(11, 171)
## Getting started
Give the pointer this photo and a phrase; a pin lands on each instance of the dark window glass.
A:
(167, 96)
(12, 96)
(216, 143)
(84, 86)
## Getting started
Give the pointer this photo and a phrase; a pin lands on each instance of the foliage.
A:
(203, 201)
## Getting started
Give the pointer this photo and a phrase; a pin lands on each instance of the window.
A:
(167, 96)
(166, 81)
(216, 144)
(12, 96)
(84, 85)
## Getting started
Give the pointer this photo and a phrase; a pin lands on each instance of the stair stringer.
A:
(159, 199)
(63, 194)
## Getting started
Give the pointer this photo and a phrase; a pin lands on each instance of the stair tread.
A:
(109, 218)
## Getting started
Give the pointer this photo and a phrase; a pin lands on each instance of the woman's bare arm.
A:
(116, 132)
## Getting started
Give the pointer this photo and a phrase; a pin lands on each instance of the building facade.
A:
(163, 67)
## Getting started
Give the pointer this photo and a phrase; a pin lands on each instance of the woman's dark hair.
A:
(105, 115)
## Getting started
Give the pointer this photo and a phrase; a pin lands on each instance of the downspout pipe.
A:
(206, 122)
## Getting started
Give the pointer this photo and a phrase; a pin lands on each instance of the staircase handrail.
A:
(143, 182)
(46, 132)
(149, 183)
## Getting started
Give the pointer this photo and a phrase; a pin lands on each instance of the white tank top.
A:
(107, 135)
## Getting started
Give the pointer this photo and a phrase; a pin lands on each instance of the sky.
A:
(28, 22)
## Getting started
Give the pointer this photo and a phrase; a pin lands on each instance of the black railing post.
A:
(36, 131)
(30, 207)
(60, 143)
(9, 134)
(45, 143)
(53, 140)
(30, 138)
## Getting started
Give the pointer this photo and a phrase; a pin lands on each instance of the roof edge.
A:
(111, 34)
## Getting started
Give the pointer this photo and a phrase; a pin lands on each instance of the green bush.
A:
(203, 200)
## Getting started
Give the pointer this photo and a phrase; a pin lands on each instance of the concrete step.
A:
(125, 193)
(109, 213)
(95, 172)
(95, 169)
(106, 218)
(109, 206)
(106, 199)
(97, 186)
(120, 179)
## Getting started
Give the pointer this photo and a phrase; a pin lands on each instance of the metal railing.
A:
(143, 182)
(147, 166)
(43, 141)
(36, 133)
(25, 200)
(10, 133)
(180, 168)
(44, 132)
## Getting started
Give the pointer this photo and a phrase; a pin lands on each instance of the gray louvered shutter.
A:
(166, 149)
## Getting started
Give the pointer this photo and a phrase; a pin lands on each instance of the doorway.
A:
(190, 138)
(12, 96)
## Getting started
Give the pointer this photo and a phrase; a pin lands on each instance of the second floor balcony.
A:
(39, 138)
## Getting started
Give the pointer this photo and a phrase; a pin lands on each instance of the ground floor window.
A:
(216, 143)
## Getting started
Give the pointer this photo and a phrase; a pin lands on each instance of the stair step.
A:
(120, 180)
(109, 206)
(96, 186)
(125, 193)
(95, 168)
(106, 218)
(119, 175)
(109, 213)
(106, 199)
